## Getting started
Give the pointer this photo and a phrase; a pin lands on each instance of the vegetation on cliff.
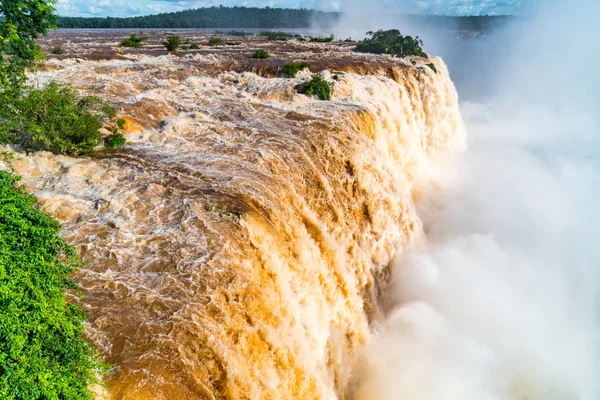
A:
(318, 87)
(54, 118)
(43, 354)
(22, 23)
(291, 69)
(51, 118)
(391, 42)
(42, 351)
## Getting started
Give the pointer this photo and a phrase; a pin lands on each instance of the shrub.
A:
(53, 118)
(42, 351)
(57, 50)
(391, 42)
(291, 69)
(215, 42)
(237, 33)
(278, 35)
(260, 54)
(116, 139)
(432, 66)
(133, 41)
(322, 39)
(317, 86)
(190, 46)
(233, 43)
(172, 42)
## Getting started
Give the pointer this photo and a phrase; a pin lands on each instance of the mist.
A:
(502, 300)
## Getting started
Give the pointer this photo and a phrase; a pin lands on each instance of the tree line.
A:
(212, 17)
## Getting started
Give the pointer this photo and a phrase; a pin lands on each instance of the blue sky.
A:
(121, 8)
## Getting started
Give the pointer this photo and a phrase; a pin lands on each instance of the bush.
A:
(291, 69)
(233, 33)
(317, 86)
(133, 41)
(57, 50)
(391, 42)
(233, 43)
(260, 54)
(432, 66)
(190, 46)
(172, 42)
(42, 351)
(279, 35)
(54, 119)
(237, 33)
(322, 39)
(215, 42)
(116, 139)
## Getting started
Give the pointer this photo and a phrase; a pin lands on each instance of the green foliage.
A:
(282, 36)
(53, 118)
(42, 351)
(317, 86)
(233, 43)
(215, 42)
(21, 23)
(190, 46)
(260, 54)
(291, 69)
(213, 17)
(57, 50)
(233, 33)
(432, 66)
(391, 42)
(115, 140)
(133, 41)
(172, 42)
(322, 39)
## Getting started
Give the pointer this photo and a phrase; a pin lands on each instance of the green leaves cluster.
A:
(291, 69)
(21, 23)
(260, 54)
(133, 41)
(279, 35)
(42, 352)
(391, 42)
(172, 42)
(317, 86)
(327, 39)
(53, 118)
(215, 42)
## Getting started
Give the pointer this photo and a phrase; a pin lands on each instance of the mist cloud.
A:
(503, 303)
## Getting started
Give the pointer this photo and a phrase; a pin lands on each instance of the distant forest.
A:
(252, 17)
(213, 17)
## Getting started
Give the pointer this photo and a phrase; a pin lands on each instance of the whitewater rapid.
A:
(238, 245)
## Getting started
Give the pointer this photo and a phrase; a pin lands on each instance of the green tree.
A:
(43, 355)
(53, 118)
(391, 42)
(22, 22)
(317, 86)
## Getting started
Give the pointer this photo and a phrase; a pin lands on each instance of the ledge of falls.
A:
(236, 246)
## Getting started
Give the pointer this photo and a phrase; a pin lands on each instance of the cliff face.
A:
(236, 246)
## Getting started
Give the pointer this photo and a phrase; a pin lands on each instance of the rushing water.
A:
(238, 245)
